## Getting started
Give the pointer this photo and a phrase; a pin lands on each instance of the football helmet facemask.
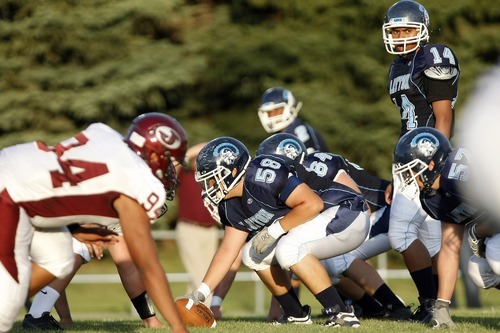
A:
(412, 155)
(275, 98)
(220, 166)
(406, 14)
(161, 141)
(283, 144)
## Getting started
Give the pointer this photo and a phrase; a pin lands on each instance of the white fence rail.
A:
(259, 293)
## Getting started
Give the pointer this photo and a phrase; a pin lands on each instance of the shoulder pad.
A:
(441, 72)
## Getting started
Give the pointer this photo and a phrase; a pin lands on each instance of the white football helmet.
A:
(272, 99)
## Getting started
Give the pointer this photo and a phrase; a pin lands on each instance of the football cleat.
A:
(306, 320)
(341, 319)
(45, 322)
(441, 317)
(424, 311)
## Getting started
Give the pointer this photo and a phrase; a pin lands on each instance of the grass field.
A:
(106, 308)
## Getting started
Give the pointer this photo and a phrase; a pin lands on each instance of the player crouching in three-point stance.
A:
(428, 167)
(282, 218)
(95, 177)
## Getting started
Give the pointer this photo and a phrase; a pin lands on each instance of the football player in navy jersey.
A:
(282, 218)
(432, 171)
(423, 84)
(368, 283)
(278, 114)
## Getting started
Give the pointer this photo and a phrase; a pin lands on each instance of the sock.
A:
(43, 302)
(424, 281)
(330, 298)
(290, 304)
(436, 281)
(369, 305)
(386, 297)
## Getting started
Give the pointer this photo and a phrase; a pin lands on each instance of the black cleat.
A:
(46, 322)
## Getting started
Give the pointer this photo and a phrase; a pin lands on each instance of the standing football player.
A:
(280, 222)
(423, 84)
(95, 177)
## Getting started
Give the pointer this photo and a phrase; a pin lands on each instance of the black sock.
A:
(436, 281)
(386, 297)
(424, 281)
(330, 298)
(369, 305)
(290, 304)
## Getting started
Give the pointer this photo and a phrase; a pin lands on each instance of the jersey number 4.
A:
(74, 171)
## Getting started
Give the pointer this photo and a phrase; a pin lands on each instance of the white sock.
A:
(43, 302)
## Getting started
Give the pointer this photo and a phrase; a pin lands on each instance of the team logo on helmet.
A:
(426, 143)
(228, 152)
(290, 148)
(168, 137)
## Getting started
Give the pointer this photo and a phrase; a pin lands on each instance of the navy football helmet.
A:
(273, 99)
(283, 144)
(413, 153)
(220, 166)
(406, 14)
(161, 141)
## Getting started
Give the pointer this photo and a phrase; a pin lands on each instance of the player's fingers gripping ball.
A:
(195, 315)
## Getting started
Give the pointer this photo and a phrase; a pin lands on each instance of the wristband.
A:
(275, 229)
(216, 301)
(143, 306)
(204, 289)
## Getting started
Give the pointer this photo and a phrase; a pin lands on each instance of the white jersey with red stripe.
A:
(77, 180)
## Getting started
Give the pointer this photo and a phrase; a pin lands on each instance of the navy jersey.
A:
(448, 203)
(269, 180)
(312, 139)
(420, 78)
(328, 165)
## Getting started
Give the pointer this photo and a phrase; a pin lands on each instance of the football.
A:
(195, 315)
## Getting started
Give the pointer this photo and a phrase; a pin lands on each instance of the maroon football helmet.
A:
(161, 141)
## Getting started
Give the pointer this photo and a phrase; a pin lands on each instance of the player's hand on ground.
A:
(262, 241)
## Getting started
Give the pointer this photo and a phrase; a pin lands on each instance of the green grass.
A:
(106, 308)
(477, 320)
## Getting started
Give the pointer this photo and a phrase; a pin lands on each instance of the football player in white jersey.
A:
(95, 177)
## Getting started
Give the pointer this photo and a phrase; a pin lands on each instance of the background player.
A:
(278, 112)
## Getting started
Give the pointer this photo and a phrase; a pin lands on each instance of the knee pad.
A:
(82, 250)
(290, 251)
(481, 274)
(492, 252)
(51, 250)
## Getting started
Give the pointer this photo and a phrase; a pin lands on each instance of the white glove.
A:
(476, 244)
(196, 296)
(266, 237)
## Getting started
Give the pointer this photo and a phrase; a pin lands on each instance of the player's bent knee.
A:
(288, 254)
(481, 273)
(253, 260)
